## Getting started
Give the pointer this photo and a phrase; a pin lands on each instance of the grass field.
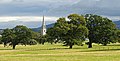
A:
(58, 52)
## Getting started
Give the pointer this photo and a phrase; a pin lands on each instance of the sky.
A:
(30, 12)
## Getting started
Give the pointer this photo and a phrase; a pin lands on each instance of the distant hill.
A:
(117, 24)
(38, 29)
(51, 25)
(1, 30)
(35, 29)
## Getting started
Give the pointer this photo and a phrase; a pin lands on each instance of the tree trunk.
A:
(71, 46)
(51, 42)
(105, 44)
(5, 44)
(14, 46)
(42, 43)
(90, 44)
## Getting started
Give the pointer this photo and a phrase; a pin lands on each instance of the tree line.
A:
(77, 28)
(72, 31)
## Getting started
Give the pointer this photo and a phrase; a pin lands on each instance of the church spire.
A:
(43, 23)
(43, 28)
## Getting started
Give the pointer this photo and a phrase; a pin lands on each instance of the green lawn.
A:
(58, 52)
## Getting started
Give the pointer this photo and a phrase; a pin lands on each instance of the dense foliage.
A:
(101, 30)
(18, 35)
(70, 32)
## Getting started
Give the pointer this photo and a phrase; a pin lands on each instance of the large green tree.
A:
(23, 35)
(71, 32)
(8, 36)
(101, 30)
(18, 35)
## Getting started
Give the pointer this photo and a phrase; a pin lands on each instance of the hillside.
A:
(51, 25)
(1, 30)
(38, 29)
(117, 24)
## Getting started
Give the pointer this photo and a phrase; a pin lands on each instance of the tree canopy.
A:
(101, 30)
(18, 35)
(71, 32)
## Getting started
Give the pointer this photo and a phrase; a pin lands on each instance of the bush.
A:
(32, 42)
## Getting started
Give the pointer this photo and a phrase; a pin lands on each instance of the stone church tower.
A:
(43, 28)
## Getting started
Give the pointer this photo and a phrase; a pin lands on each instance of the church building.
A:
(43, 28)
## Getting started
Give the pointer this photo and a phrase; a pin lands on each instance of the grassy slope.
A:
(60, 53)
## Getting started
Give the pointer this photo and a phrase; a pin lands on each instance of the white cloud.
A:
(114, 18)
(26, 18)
(29, 21)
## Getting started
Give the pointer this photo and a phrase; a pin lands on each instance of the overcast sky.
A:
(29, 12)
